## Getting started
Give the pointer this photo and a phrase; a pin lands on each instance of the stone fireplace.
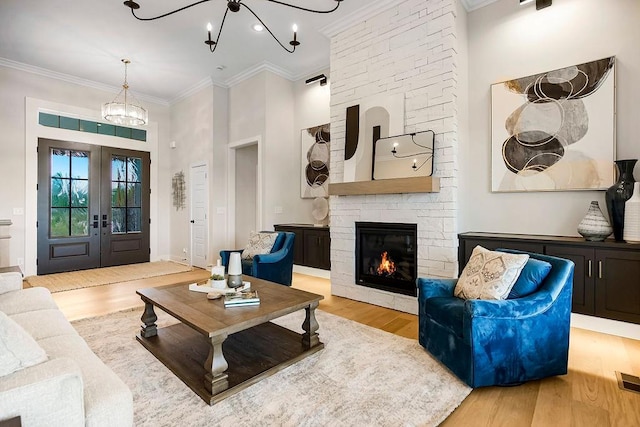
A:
(386, 256)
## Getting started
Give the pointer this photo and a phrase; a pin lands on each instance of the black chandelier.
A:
(234, 6)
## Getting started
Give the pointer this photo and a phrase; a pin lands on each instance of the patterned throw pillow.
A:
(489, 274)
(259, 243)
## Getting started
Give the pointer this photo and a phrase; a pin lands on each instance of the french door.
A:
(93, 206)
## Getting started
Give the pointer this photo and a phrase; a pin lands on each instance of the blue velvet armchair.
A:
(276, 266)
(505, 342)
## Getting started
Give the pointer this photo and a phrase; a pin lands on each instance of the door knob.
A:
(192, 221)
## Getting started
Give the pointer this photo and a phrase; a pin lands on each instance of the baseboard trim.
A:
(309, 271)
(606, 326)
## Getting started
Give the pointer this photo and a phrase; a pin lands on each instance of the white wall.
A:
(246, 192)
(192, 132)
(312, 108)
(508, 41)
(15, 87)
(199, 129)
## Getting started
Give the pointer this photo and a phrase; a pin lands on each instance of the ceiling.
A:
(86, 40)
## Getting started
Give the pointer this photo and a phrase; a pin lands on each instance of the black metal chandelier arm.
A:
(215, 45)
(413, 139)
(305, 9)
(267, 28)
(165, 14)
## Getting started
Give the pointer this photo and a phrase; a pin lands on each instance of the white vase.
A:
(631, 231)
(594, 226)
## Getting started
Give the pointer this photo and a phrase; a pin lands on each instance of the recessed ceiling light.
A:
(257, 27)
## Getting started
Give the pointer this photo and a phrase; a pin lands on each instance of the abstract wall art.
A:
(315, 151)
(555, 131)
(375, 117)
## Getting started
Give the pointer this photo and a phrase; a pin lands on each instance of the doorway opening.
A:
(245, 190)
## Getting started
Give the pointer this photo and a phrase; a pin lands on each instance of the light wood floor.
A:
(587, 396)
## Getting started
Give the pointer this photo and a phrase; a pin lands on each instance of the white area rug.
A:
(363, 377)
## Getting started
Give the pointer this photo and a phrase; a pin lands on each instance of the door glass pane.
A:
(134, 169)
(134, 219)
(118, 195)
(59, 226)
(79, 221)
(79, 193)
(60, 193)
(134, 194)
(60, 163)
(118, 220)
(118, 168)
(79, 164)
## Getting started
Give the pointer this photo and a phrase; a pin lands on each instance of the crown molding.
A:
(256, 69)
(202, 84)
(358, 16)
(77, 80)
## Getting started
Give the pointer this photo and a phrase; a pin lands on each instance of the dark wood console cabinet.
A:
(312, 245)
(606, 280)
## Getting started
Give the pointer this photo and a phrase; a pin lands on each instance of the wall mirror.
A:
(403, 156)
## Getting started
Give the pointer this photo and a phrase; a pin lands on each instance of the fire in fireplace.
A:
(386, 256)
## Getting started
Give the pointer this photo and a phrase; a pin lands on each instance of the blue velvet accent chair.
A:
(506, 342)
(276, 266)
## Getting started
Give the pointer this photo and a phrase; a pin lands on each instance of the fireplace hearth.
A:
(386, 256)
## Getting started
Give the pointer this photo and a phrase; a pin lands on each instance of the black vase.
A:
(618, 194)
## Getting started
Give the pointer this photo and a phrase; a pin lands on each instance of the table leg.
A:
(310, 326)
(149, 329)
(215, 380)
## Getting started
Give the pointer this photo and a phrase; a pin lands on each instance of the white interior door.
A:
(199, 216)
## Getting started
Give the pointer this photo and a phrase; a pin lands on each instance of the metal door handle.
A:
(590, 269)
(95, 224)
(599, 269)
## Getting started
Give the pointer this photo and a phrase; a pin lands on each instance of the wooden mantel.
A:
(423, 184)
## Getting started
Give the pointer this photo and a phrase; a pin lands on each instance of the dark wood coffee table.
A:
(219, 351)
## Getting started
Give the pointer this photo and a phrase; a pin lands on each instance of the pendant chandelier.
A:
(121, 110)
(235, 6)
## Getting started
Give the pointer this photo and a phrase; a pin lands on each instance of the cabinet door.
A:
(298, 242)
(583, 275)
(618, 285)
(317, 248)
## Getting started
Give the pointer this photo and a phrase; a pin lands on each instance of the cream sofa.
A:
(48, 375)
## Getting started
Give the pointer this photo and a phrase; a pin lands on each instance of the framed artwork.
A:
(315, 149)
(555, 131)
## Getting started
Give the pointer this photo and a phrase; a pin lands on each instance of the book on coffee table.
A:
(242, 299)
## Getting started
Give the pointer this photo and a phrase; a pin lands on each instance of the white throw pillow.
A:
(259, 243)
(489, 274)
(18, 350)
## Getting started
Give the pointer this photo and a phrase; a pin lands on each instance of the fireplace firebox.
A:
(386, 256)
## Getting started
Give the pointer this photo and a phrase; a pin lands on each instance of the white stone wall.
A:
(409, 49)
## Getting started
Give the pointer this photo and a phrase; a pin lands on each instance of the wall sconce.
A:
(540, 4)
(320, 77)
